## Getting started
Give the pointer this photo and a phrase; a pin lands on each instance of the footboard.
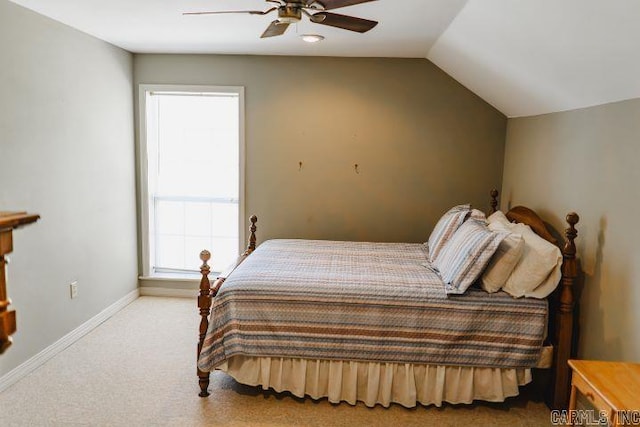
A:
(208, 291)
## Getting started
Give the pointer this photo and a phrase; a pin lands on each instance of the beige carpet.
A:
(138, 369)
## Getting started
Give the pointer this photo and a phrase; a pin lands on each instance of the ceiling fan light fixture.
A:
(290, 14)
(312, 38)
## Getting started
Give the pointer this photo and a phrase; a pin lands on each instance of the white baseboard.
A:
(39, 359)
(147, 291)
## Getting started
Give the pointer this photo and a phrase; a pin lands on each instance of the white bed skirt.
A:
(377, 383)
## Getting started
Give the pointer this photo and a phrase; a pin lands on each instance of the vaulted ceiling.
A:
(524, 57)
(530, 57)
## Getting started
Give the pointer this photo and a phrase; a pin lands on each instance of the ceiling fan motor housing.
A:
(290, 14)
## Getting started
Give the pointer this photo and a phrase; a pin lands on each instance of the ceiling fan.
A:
(291, 11)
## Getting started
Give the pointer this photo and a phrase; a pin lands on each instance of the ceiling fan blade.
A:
(350, 23)
(275, 29)
(251, 12)
(335, 4)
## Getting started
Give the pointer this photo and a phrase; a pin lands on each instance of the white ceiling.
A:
(407, 28)
(524, 57)
(532, 57)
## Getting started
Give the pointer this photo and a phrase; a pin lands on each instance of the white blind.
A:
(194, 178)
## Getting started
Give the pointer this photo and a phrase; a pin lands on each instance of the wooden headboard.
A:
(562, 303)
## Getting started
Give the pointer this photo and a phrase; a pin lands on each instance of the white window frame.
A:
(143, 161)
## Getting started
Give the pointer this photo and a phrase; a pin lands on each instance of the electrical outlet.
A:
(73, 287)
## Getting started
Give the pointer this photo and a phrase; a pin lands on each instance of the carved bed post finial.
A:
(251, 246)
(565, 315)
(204, 304)
(494, 200)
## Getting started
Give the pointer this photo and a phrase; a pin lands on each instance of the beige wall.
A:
(587, 160)
(66, 152)
(422, 141)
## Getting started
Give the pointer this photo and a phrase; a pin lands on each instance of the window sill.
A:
(176, 277)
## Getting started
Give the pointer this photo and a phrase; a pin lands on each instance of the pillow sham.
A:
(444, 229)
(466, 254)
(478, 214)
(549, 284)
(538, 272)
(504, 260)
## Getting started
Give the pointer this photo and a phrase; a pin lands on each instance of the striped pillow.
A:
(466, 255)
(444, 229)
(477, 214)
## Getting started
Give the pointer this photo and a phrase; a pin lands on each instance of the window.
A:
(191, 167)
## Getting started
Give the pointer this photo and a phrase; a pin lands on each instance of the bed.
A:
(369, 322)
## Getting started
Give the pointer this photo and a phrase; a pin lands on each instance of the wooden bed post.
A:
(209, 291)
(494, 200)
(204, 304)
(251, 244)
(565, 317)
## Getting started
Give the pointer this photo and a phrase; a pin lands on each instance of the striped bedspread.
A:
(377, 302)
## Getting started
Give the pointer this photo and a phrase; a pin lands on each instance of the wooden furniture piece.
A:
(562, 303)
(561, 332)
(8, 222)
(612, 387)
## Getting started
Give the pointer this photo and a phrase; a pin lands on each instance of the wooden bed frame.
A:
(562, 303)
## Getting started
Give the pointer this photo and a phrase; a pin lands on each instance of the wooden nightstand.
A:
(9, 221)
(613, 387)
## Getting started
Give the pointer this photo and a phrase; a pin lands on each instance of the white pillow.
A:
(538, 271)
(504, 260)
(549, 285)
(499, 217)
